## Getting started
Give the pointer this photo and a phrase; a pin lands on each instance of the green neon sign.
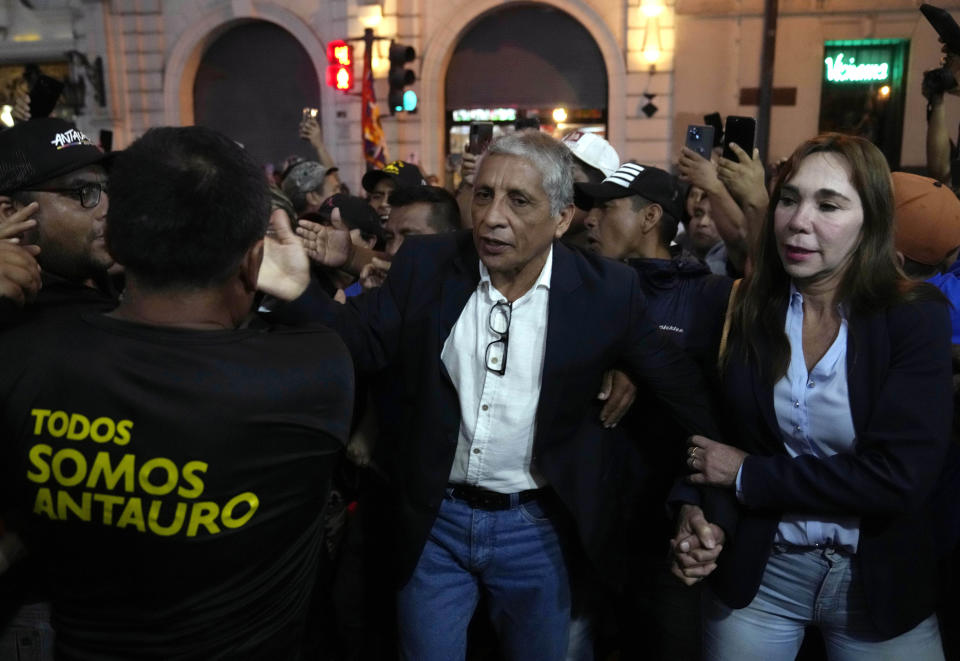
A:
(850, 71)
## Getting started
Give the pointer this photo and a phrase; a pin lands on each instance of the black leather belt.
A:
(783, 547)
(484, 499)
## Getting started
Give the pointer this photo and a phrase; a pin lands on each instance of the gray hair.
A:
(550, 157)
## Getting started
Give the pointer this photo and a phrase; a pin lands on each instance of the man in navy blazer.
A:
(497, 343)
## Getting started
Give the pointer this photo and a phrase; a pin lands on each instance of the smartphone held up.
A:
(700, 139)
(740, 131)
(481, 135)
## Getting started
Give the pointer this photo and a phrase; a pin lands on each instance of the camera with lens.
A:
(937, 81)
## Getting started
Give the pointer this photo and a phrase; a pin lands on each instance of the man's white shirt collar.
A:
(542, 281)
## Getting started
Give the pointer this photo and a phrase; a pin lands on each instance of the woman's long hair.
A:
(872, 280)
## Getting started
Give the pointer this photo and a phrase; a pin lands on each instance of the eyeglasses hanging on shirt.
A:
(499, 323)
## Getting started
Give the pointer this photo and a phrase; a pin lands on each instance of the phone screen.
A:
(481, 133)
(742, 131)
(714, 120)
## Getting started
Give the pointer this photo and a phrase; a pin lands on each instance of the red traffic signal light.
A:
(339, 53)
(340, 77)
(340, 65)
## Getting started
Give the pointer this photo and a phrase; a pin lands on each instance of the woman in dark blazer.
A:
(837, 388)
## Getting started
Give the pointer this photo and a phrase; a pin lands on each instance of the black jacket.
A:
(898, 371)
(597, 320)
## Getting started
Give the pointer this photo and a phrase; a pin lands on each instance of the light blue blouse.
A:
(813, 412)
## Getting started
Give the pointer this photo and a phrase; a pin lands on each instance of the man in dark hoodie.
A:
(637, 212)
(639, 209)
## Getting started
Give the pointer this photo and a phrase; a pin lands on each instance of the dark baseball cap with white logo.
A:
(42, 149)
(647, 181)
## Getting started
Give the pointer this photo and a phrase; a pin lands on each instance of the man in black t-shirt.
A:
(170, 460)
(53, 199)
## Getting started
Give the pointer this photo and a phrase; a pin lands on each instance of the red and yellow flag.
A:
(374, 144)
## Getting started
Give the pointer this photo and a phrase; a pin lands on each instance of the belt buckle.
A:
(489, 501)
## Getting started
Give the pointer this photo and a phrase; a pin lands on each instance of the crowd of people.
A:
(577, 407)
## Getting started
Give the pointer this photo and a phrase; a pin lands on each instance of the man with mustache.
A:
(53, 184)
(499, 340)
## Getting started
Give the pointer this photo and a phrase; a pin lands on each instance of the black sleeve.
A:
(369, 324)
(667, 371)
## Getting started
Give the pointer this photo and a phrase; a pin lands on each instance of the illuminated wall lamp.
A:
(651, 9)
(370, 15)
(378, 61)
(651, 42)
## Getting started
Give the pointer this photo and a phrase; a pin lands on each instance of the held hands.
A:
(325, 245)
(285, 270)
(618, 391)
(696, 546)
(714, 464)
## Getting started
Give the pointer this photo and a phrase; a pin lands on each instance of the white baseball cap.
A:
(593, 150)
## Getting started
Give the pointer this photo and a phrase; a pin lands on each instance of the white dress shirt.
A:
(498, 413)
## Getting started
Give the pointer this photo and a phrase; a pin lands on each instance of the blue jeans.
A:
(821, 587)
(515, 556)
(28, 636)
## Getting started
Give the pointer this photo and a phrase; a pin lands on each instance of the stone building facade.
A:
(708, 53)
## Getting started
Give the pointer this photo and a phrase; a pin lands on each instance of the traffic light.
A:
(340, 65)
(400, 77)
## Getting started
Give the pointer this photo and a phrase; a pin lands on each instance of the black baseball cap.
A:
(355, 212)
(42, 149)
(629, 179)
(403, 174)
(945, 25)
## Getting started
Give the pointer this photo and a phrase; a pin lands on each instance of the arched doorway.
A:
(556, 71)
(252, 84)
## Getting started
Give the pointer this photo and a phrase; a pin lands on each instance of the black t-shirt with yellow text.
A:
(171, 482)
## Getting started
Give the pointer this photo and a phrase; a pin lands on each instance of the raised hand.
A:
(19, 272)
(698, 171)
(374, 274)
(745, 177)
(325, 245)
(285, 270)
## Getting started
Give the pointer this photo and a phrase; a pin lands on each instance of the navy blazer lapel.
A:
(457, 286)
(763, 391)
(562, 336)
(864, 338)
